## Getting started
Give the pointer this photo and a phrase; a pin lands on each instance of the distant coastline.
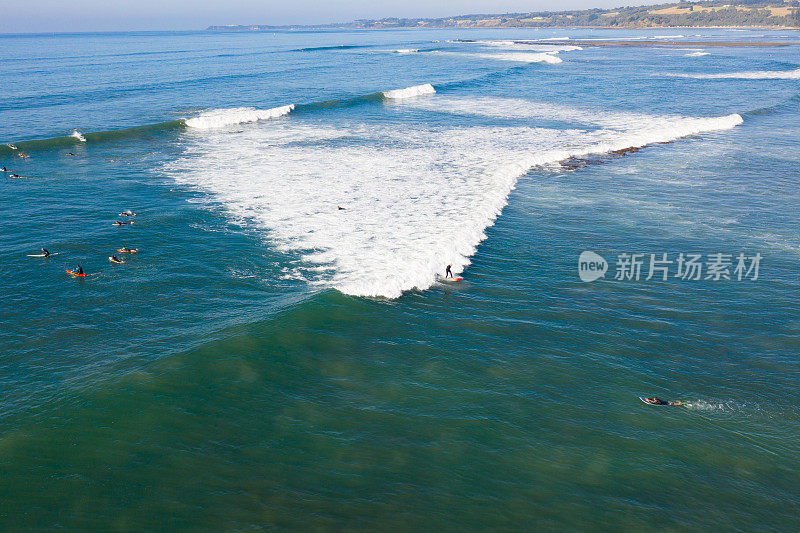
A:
(710, 14)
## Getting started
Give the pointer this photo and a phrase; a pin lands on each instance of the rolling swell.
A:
(789, 102)
(336, 47)
(183, 123)
(96, 95)
(99, 136)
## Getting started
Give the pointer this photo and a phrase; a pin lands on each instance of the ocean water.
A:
(270, 361)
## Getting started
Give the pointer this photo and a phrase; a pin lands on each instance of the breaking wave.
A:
(753, 75)
(220, 118)
(78, 135)
(520, 57)
(415, 196)
(410, 92)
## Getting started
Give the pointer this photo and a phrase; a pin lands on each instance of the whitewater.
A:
(413, 199)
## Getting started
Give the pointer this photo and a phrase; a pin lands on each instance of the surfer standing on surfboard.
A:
(448, 272)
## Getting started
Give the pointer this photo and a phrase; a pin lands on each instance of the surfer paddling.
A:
(658, 401)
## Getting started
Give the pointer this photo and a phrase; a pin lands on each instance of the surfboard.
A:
(75, 274)
(114, 261)
(133, 251)
(452, 280)
(42, 255)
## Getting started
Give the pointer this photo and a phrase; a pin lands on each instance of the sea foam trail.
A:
(78, 135)
(409, 92)
(417, 196)
(753, 75)
(220, 118)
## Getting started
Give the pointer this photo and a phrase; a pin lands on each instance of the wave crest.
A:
(410, 92)
(752, 75)
(220, 118)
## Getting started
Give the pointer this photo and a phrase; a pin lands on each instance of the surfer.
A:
(340, 208)
(118, 223)
(45, 252)
(658, 401)
(127, 213)
(79, 270)
(115, 259)
(4, 169)
(70, 153)
(448, 272)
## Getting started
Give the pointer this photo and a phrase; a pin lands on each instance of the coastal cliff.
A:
(714, 13)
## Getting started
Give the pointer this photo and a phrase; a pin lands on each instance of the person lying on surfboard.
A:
(658, 401)
(448, 272)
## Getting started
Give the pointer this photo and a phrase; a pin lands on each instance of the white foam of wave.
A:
(521, 57)
(528, 46)
(410, 92)
(407, 51)
(515, 108)
(220, 118)
(78, 135)
(416, 196)
(698, 53)
(753, 75)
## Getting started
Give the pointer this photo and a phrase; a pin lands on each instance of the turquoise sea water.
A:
(269, 361)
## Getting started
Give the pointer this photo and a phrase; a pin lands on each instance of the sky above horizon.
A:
(126, 15)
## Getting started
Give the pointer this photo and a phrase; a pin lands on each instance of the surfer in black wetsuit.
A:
(45, 252)
(79, 270)
(4, 169)
(448, 272)
(340, 208)
(658, 401)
